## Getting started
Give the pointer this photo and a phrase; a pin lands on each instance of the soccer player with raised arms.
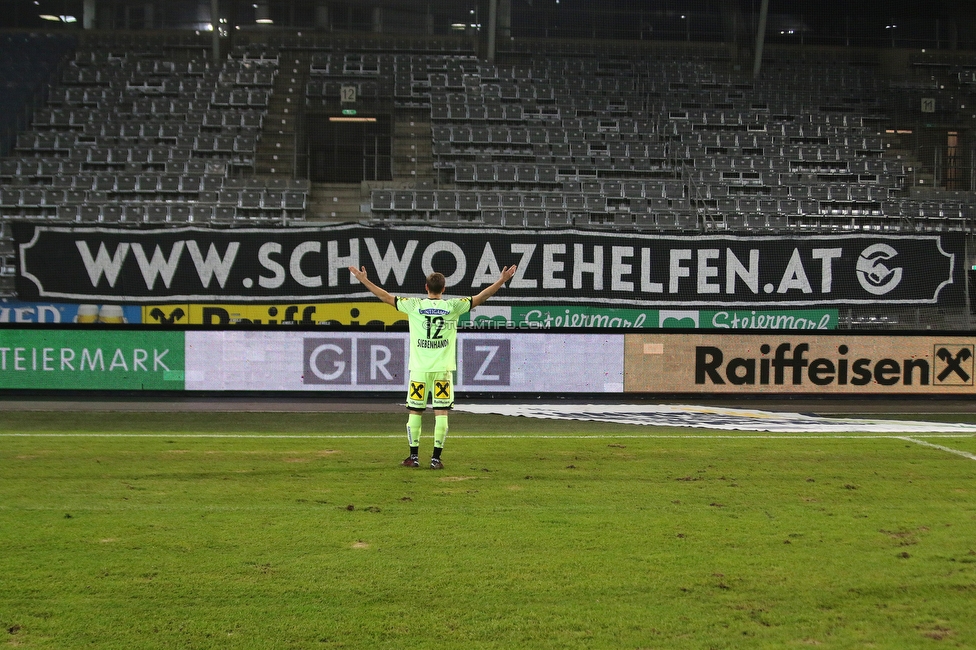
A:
(433, 352)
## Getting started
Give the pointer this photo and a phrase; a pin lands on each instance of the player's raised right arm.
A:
(379, 292)
(507, 273)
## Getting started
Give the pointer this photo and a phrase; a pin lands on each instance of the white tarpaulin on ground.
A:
(709, 417)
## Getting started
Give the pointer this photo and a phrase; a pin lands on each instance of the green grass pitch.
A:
(278, 530)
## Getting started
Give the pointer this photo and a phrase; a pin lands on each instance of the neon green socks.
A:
(413, 429)
(440, 430)
(414, 423)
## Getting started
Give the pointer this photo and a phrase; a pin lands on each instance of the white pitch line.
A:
(957, 452)
(649, 436)
(269, 436)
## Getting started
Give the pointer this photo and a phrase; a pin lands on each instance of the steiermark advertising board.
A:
(79, 359)
(582, 317)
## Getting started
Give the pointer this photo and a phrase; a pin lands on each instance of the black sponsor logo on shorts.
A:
(418, 391)
(442, 390)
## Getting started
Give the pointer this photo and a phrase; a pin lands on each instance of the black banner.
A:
(565, 266)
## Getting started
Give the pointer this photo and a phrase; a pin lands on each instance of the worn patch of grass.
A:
(251, 542)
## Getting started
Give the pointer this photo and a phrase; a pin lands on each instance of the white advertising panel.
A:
(519, 362)
(379, 361)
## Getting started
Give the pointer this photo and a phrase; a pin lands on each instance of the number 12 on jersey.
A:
(434, 326)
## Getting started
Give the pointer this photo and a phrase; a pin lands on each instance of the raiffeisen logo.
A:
(787, 364)
(872, 272)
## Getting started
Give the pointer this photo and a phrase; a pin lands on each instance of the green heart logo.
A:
(678, 322)
(490, 319)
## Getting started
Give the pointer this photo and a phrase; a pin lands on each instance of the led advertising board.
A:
(91, 359)
(377, 361)
(495, 362)
(795, 363)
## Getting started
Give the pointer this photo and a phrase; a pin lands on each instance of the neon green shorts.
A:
(438, 387)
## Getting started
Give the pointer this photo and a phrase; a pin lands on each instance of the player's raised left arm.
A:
(379, 292)
(491, 289)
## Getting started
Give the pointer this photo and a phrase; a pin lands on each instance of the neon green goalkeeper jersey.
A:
(433, 331)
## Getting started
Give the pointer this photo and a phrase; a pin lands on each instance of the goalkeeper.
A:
(433, 359)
